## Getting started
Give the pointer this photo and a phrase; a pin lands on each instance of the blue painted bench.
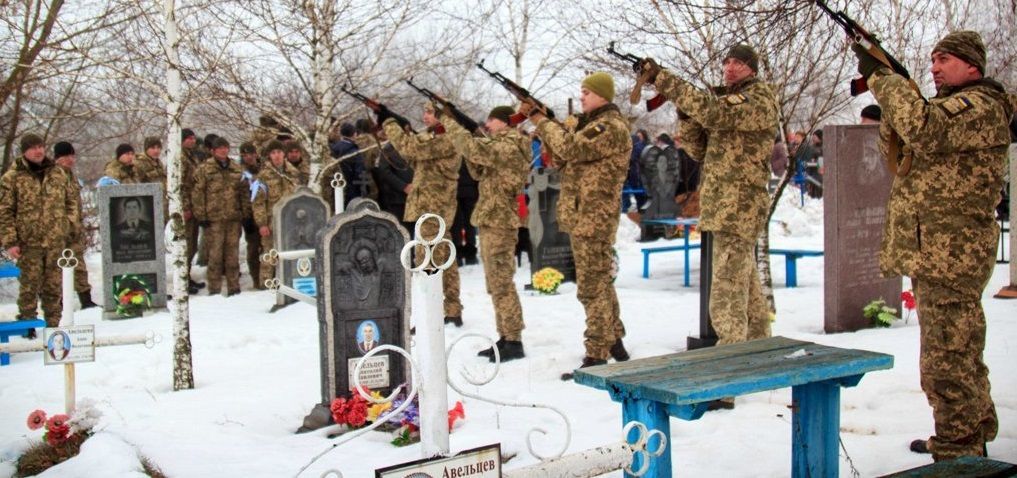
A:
(17, 327)
(682, 385)
(963, 467)
(686, 224)
(791, 257)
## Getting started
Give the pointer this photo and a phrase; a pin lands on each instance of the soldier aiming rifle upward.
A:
(379, 109)
(636, 62)
(520, 93)
(448, 107)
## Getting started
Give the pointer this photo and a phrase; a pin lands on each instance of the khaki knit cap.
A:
(502, 113)
(152, 141)
(966, 45)
(745, 54)
(30, 140)
(600, 83)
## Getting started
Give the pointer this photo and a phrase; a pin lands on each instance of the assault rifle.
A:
(652, 103)
(870, 43)
(377, 107)
(457, 114)
(520, 93)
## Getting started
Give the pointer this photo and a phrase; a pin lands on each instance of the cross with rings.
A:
(338, 181)
(67, 259)
(428, 246)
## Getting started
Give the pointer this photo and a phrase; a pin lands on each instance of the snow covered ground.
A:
(257, 376)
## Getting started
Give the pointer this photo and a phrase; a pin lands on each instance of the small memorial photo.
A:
(132, 232)
(59, 345)
(368, 336)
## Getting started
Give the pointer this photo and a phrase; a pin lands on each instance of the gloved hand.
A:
(649, 67)
(204, 223)
(867, 64)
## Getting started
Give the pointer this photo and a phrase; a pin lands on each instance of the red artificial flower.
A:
(909, 300)
(55, 439)
(456, 413)
(338, 408)
(57, 429)
(36, 420)
(125, 300)
(356, 413)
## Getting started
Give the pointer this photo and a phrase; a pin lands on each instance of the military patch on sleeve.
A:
(956, 105)
(595, 131)
(735, 99)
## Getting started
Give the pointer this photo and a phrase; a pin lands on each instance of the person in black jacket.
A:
(351, 165)
(395, 179)
(464, 234)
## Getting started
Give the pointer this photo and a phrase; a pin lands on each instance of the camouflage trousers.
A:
(223, 239)
(953, 376)
(497, 252)
(81, 271)
(40, 280)
(267, 270)
(254, 247)
(192, 241)
(738, 311)
(450, 278)
(593, 257)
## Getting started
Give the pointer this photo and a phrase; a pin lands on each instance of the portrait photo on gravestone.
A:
(133, 231)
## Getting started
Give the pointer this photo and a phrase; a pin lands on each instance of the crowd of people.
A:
(940, 229)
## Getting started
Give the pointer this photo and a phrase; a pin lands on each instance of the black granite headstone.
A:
(550, 246)
(131, 228)
(661, 172)
(297, 218)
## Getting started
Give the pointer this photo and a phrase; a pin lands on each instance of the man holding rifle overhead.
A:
(436, 174)
(941, 232)
(731, 130)
(594, 159)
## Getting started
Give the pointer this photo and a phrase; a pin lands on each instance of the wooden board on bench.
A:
(963, 467)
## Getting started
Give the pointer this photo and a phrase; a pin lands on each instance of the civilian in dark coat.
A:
(395, 178)
(464, 234)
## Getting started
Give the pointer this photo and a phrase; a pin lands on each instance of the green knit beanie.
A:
(30, 141)
(745, 54)
(966, 45)
(601, 84)
(502, 113)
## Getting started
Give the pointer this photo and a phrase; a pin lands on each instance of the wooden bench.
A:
(682, 385)
(17, 327)
(791, 257)
(963, 467)
(686, 224)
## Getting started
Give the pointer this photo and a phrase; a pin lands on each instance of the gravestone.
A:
(857, 187)
(296, 220)
(551, 247)
(364, 302)
(660, 172)
(133, 255)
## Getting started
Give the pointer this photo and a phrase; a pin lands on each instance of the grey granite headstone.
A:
(857, 186)
(550, 246)
(133, 253)
(296, 220)
(660, 172)
(364, 302)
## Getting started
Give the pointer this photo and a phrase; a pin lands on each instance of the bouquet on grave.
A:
(356, 412)
(61, 439)
(908, 300)
(879, 313)
(133, 296)
(547, 280)
(409, 430)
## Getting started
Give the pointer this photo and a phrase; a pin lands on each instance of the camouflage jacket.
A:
(368, 149)
(594, 160)
(75, 189)
(436, 171)
(731, 131)
(39, 207)
(940, 222)
(501, 163)
(123, 173)
(189, 163)
(150, 170)
(220, 193)
(303, 170)
(273, 185)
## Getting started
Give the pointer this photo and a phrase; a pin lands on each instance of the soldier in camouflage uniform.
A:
(151, 170)
(594, 160)
(220, 200)
(251, 164)
(64, 156)
(121, 167)
(295, 156)
(501, 163)
(436, 166)
(731, 130)
(189, 164)
(277, 180)
(941, 231)
(39, 212)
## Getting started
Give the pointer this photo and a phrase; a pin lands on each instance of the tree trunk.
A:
(12, 131)
(183, 372)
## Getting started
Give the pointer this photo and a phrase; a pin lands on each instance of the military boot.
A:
(618, 351)
(86, 300)
(489, 352)
(587, 362)
(509, 350)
